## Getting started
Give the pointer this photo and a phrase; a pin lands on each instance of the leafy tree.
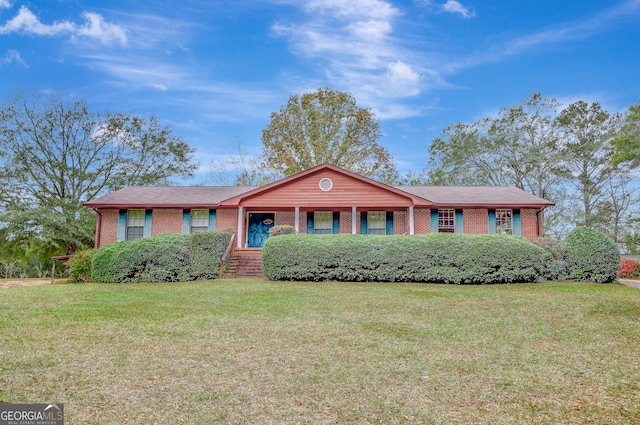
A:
(58, 154)
(326, 126)
(627, 142)
(518, 148)
(586, 152)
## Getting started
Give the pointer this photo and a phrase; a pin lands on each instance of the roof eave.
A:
(493, 206)
(148, 206)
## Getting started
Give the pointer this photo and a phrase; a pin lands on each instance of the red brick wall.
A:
(109, 231)
(421, 220)
(476, 221)
(286, 218)
(227, 219)
(345, 222)
(170, 221)
(529, 223)
(400, 222)
(166, 221)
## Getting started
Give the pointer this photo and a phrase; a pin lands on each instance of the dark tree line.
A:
(581, 157)
(57, 154)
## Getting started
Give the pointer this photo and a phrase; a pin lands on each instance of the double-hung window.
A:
(504, 222)
(322, 222)
(377, 222)
(447, 221)
(199, 220)
(135, 224)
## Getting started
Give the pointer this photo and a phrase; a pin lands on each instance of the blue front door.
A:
(258, 228)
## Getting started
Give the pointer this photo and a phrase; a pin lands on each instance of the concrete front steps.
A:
(245, 263)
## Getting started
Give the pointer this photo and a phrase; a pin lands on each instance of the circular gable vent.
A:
(326, 184)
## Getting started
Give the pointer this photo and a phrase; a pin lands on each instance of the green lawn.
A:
(259, 352)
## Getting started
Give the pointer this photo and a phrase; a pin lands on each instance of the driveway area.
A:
(9, 283)
(630, 282)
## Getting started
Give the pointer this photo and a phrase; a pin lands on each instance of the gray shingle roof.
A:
(475, 195)
(168, 196)
(205, 196)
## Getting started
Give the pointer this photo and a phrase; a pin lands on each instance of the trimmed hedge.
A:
(591, 256)
(434, 257)
(556, 265)
(164, 258)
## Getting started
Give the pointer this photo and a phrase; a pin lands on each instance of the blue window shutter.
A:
(459, 223)
(389, 222)
(186, 222)
(147, 223)
(492, 222)
(310, 227)
(364, 228)
(517, 223)
(122, 225)
(434, 221)
(212, 219)
(336, 222)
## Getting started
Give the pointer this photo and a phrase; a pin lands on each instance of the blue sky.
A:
(216, 69)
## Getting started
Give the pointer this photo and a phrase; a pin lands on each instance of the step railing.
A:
(226, 257)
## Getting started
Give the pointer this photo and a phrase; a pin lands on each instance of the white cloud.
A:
(97, 28)
(356, 45)
(571, 31)
(13, 56)
(6, 4)
(160, 87)
(453, 6)
(450, 6)
(137, 71)
(353, 9)
(26, 22)
(403, 79)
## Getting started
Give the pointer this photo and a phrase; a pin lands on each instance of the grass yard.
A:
(260, 352)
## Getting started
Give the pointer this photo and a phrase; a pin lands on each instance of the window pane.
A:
(135, 224)
(446, 221)
(135, 218)
(377, 222)
(134, 233)
(199, 220)
(504, 222)
(322, 222)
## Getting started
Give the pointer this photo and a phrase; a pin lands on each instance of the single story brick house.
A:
(322, 200)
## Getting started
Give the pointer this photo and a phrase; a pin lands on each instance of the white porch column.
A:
(411, 222)
(296, 220)
(240, 221)
(354, 222)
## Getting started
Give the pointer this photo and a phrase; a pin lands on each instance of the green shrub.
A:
(436, 257)
(206, 250)
(591, 256)
(80, 266)
(556, 267)
(282, 229)
(165, 258)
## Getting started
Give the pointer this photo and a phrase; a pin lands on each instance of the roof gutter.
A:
(149, 206)
(491, 206)
(96, 244)
(538, 211)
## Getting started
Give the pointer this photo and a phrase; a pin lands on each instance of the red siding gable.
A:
(303, 190)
